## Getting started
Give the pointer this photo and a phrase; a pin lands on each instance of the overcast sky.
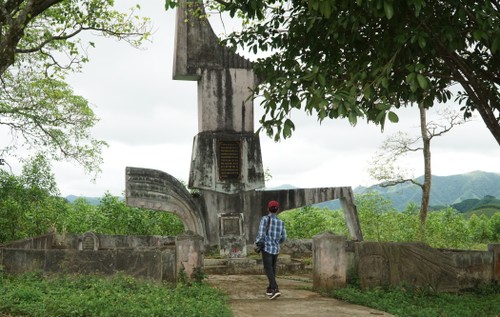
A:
(149, 120)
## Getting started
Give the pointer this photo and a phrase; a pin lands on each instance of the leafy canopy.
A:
(40, 44)
(367, 58)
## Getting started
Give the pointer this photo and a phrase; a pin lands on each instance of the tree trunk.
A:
(14, 18)
(483, 97)
(426, 187)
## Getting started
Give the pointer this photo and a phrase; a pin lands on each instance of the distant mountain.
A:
(473, 203)
(487, 206)
(445, 190)
(91, 200)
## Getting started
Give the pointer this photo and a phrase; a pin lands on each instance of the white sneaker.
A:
(275, 294)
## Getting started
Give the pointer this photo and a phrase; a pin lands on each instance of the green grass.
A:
(482, 302)
(77, 295)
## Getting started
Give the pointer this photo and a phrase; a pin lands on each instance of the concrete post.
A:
(495, 249)
(189, 254)
(329, 261)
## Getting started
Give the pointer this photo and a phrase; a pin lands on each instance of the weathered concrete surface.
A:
(418, 264)
(157, 190)
(248, 299)
(329, 261)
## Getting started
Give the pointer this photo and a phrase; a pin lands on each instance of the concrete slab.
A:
(248, 299)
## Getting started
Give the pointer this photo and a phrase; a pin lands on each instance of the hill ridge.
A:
(445, 190)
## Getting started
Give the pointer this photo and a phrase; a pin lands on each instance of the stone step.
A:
(249, 266)
(216, 270)
(215, 262)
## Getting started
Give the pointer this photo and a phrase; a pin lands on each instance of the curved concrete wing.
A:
(157, 190)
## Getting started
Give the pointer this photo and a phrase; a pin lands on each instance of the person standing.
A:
(272, 233)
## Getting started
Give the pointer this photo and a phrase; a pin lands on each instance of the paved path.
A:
(247, 298)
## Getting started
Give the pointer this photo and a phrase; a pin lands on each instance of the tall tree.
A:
(39, 46)
(386, 167)
(28, 206)
(366, 58)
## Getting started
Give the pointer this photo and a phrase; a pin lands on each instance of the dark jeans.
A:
(269, 261)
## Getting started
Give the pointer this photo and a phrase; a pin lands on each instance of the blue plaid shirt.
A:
(275, 235)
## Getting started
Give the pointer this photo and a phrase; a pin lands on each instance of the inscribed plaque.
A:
(229, 159)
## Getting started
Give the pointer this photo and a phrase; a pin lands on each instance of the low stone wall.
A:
(43, 242)
(104, 242)
(394, 264)
(154, 265)
(297, 248)
(147, 257)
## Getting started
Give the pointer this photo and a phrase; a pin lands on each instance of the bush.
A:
(380, 221)
(304, 223)
(416, 302)
(75, 295)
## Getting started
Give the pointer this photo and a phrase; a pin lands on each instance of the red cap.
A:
(273, 204)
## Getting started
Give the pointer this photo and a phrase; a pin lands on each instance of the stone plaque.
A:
(229, 159)
(230, 224)
(89, 242)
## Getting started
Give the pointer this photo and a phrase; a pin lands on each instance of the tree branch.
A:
(400, 181)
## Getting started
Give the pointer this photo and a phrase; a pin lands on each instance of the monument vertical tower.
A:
(226, 155)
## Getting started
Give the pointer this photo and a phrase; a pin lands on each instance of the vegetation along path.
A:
(247, 298)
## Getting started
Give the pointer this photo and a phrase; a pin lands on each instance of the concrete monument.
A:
(226, 164)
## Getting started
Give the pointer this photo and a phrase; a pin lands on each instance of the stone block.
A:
(168, 260)
(473, 267)
(189, 250)
(233, 246)
(329, 261)
(16, 261)
(495, 250)
(84, 262)
(141, 264)
(396, 264)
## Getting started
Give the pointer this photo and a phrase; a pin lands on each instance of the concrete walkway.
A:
(248, 299)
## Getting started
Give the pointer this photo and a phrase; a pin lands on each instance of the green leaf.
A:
(170, 4)
(388, 9)
(380, 117)
(267, 95)
(421, 41)
(321, 79)
(353, 119)
(477, 34)
(327, 9)
(288, 127)
(423, 82)
(385, 82)
(393, 117)
(411, 77)
(309, 76)
(295, 102)
(382, 106)
(341, 110)
(419, 67)
(495, 44)
(367, 91)
(313, 4)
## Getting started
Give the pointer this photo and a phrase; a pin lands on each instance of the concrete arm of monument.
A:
(301, 197)
(157, 190)
(196, 45)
